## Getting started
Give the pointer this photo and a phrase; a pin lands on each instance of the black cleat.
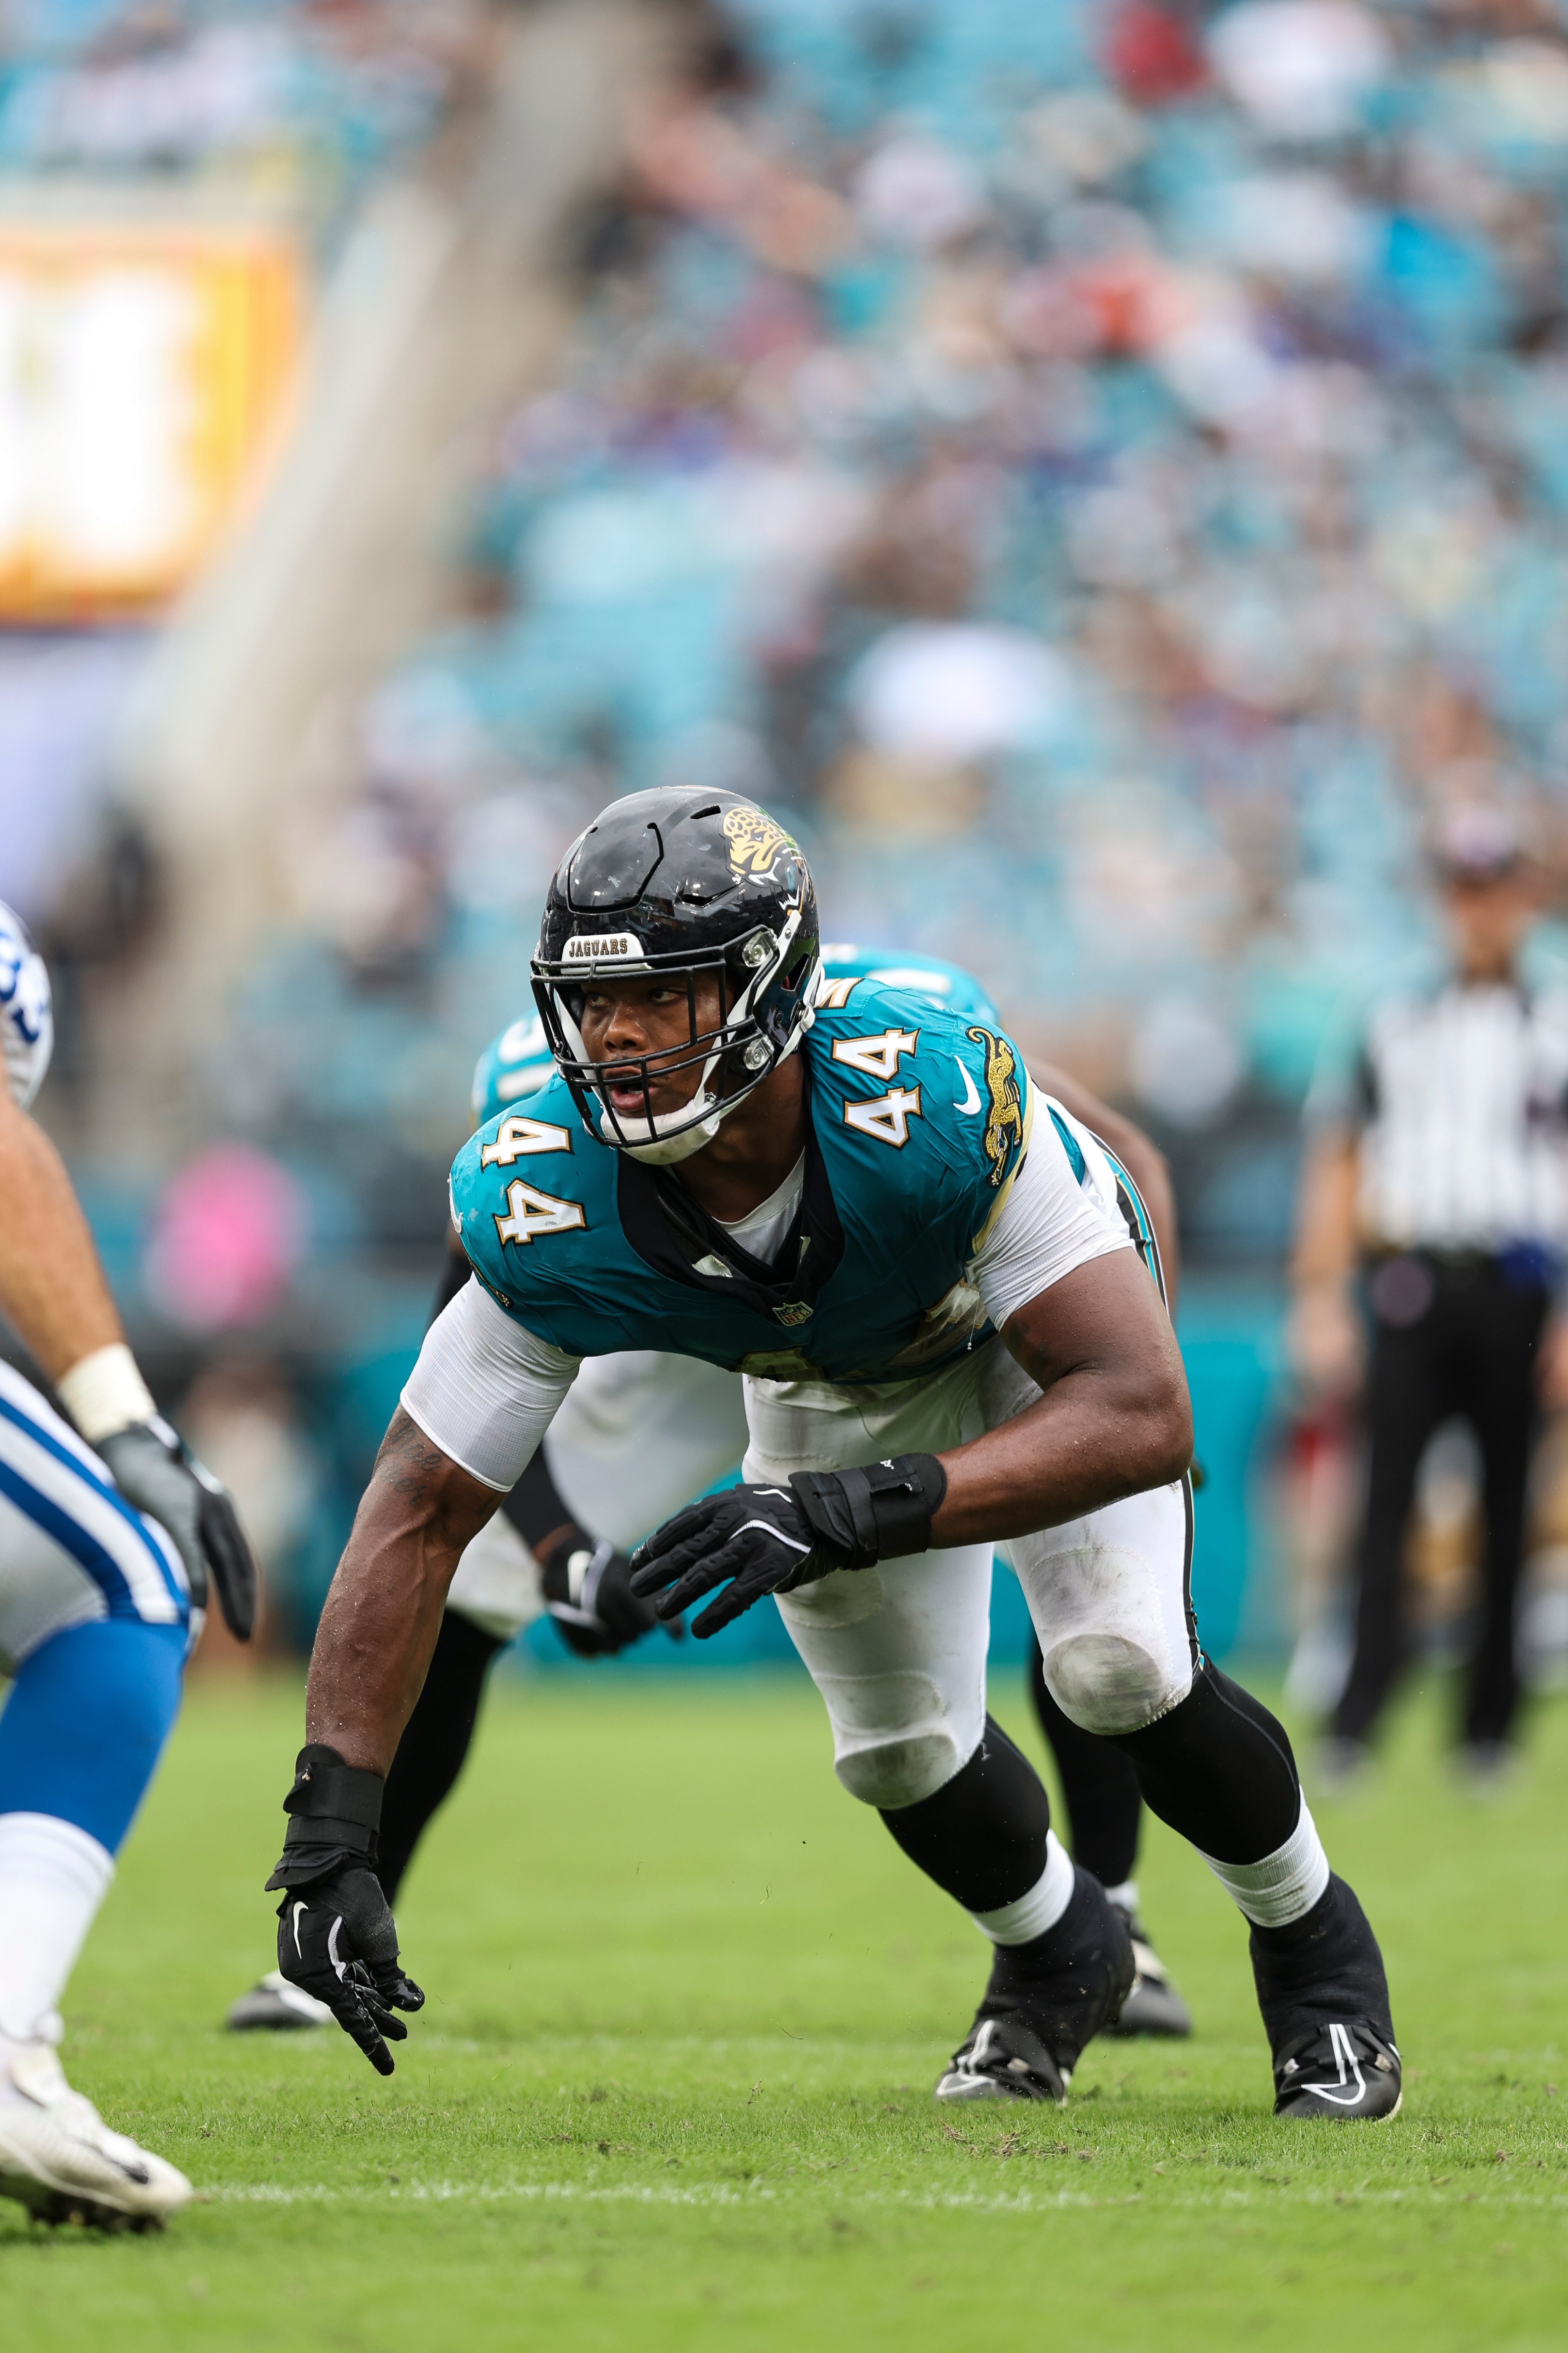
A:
(1346, 2070)
(1045, 2001)
(1153, 2006)
(1324, 1998)
(1003, 2059)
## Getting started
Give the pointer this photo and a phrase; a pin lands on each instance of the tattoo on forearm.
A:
(408, 1462)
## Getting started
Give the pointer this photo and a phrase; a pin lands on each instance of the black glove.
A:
(155, 1470)
(336, 1938)
(588, 1592)
(771, 1539)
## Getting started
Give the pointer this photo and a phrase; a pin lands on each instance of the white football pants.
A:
(71, 1548)
(638, 1435)
(898, 1651)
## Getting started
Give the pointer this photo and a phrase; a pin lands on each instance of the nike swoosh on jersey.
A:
(969, 1100)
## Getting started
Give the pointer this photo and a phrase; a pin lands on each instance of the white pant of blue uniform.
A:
(72, 1550)
(95, 1618)
(898, 1653)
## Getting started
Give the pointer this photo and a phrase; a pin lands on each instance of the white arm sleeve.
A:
(1049, 1222)
(484, 1390)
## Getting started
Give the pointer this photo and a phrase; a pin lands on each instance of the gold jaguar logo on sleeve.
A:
(1004, 1102)
(754, 841)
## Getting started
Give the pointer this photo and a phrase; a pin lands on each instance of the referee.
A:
(1436, 1170)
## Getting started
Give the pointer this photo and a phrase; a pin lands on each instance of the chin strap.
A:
(664, 1151)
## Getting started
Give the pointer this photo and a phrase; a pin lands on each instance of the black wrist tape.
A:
(875, 1511)
(334, 1814)
(535, 1505)
(555, 1565)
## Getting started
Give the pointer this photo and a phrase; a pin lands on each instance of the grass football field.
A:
(672, 2086)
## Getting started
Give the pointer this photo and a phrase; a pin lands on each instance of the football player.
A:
(936, 1286)
(109, 1534)
(638, 1435)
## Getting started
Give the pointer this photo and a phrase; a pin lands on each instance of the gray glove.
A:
(155, 1470)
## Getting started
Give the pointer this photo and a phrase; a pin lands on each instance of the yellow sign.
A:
(142, 368)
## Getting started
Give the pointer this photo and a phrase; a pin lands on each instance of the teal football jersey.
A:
(518, 1063)
(922, 976)
(920, 1119)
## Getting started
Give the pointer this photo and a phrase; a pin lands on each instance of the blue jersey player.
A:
(639, 1434)
(109, 1533)
(929, 1277)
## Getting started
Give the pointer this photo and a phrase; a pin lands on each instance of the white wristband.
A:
(104, 1392)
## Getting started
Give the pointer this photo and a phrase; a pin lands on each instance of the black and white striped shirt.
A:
(1460, 1098)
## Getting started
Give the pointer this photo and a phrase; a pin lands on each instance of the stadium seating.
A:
(1095, 467)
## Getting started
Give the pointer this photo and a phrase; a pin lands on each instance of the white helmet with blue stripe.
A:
(26, 1012)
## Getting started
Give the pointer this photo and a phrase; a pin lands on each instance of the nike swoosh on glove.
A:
(338, 1941)
(154, 1469)
(765, 1540)
(756, 1537)
(588, 1592)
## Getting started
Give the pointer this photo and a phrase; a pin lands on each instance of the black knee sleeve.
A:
(982, 1836)
(1219, 1769)
(435, 1741)
(1098, 1784)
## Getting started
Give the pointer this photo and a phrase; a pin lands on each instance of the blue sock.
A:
(85, 1724)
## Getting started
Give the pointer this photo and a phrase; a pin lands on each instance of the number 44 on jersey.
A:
(531, 1212)
(886, 1118)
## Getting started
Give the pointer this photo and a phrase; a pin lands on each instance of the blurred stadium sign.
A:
(140, 366)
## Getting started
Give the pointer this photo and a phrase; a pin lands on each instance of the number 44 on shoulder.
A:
(529, 1212)
(886, 1118)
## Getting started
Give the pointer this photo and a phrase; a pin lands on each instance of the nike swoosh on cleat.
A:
(1343, 2049)
(969, 1101)
(298, 1946)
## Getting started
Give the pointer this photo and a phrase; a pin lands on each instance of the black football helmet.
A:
(682, 882)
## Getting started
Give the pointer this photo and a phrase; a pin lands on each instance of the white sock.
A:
(1286, 1883)
(1030, 1915)
(1124, 1897)
(53, 1877)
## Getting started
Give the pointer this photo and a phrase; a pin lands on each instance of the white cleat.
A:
(59, 2158)
(275, 2006)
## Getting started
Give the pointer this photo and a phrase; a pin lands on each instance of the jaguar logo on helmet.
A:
(754, 838)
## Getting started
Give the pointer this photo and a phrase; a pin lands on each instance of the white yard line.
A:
(719, 2193)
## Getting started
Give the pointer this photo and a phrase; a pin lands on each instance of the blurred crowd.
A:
(296, 100)
(1099, 470)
